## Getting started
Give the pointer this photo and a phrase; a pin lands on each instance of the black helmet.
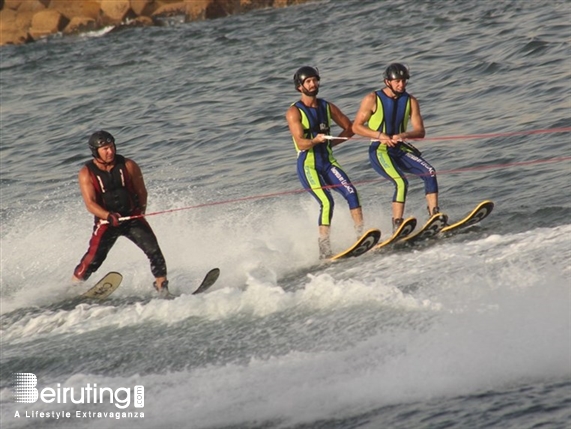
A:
(304, 73)
(99, 139)
(396, 71)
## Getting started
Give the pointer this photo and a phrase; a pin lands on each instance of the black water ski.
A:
(208, 281)
(206, 284)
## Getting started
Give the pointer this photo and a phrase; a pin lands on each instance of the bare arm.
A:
(366, 110)
(343, 121)
(296, 129)
(138, 183)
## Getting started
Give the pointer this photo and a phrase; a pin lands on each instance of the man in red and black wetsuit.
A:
(112, 187)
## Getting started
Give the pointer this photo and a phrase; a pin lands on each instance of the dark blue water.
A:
(470, 332)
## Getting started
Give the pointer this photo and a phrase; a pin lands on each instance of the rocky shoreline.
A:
(26, 21)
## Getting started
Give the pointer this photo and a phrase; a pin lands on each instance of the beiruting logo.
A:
(26, 393)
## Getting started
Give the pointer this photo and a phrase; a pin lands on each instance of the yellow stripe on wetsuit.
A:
(378, 122)
(310, 164)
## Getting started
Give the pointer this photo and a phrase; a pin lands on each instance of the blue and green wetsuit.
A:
(317, 169)
(391, 117)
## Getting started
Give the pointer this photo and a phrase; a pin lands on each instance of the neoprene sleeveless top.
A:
(392, 115)
(315, 120)
(115, 191)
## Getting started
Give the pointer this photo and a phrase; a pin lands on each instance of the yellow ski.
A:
(104, 287)
(481, 211)
(405, 229)
(363, 244)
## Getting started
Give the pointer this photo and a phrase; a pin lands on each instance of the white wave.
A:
(258, 300)
(96, 33)
(445, 277)
(523, 335)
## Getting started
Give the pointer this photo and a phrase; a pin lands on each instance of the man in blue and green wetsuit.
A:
(309, 121)
(383, 116)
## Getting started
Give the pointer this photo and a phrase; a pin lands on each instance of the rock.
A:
(170, 10)
(80, 24)
(249, 5)
(196, 9)
(211, 9)
(117, 10)
(70, 9)
(12, 4)
(33, 6)
(143, 7)
(142, 21)
(23, 21)
(47, 22)
(14, 30)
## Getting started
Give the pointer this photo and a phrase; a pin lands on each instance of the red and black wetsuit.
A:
(115, 192)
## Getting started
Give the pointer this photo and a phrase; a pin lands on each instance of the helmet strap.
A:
(106, 164)
(100, 160)
(395, 93)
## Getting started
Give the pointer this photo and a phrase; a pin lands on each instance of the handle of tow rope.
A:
(335, 138)
(349, 138)
(121, 219)
(408, 145)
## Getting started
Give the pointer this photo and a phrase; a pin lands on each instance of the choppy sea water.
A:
(469, 332)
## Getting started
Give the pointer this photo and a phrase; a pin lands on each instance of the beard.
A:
(310, 93)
